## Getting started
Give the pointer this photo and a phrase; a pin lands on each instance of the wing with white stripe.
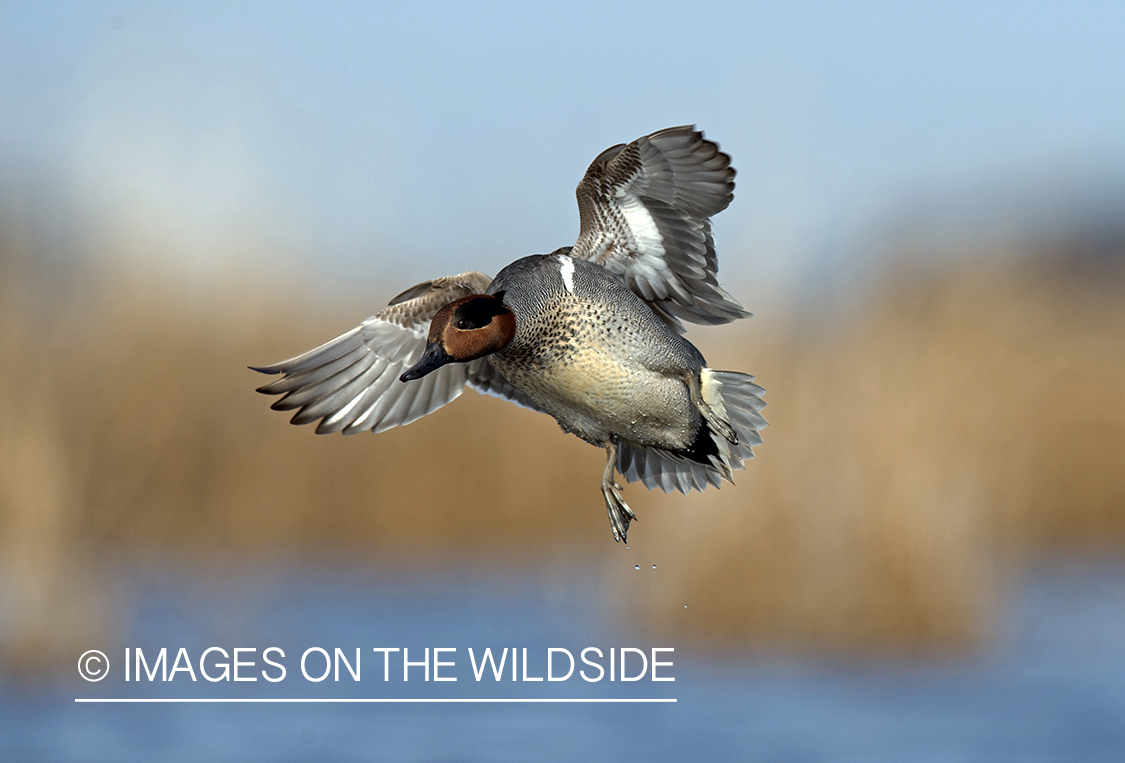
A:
(645, 210)
(351, 383)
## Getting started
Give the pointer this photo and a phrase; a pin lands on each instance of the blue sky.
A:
(419, 139)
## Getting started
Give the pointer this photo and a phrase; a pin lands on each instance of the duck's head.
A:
(464, 330)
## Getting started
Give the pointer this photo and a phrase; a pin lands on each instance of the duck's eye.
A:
(477, 313)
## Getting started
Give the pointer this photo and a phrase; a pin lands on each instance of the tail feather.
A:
(738, 401)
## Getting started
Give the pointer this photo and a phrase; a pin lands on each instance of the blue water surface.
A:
(1049, 687)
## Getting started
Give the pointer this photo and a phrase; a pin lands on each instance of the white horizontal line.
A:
(365, 699)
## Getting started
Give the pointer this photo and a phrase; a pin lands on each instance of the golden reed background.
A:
(921, 445)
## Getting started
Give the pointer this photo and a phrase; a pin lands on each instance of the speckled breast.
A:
(593, 355)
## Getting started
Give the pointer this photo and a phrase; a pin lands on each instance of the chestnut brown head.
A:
(464, 330)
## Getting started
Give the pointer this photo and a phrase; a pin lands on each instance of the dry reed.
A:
(956, 425)
(963, 417)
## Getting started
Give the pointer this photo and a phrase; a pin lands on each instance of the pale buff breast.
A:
(588, 366)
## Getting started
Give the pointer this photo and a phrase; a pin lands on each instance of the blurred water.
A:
(1050, 687)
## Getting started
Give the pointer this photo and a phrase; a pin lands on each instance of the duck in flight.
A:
(589, 334)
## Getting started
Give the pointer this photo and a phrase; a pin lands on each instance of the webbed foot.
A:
(620, 515)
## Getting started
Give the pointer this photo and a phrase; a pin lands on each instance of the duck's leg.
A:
(620, 515)
(720, 427)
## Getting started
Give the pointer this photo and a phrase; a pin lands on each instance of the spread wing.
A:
(351, 383)
(645, 210)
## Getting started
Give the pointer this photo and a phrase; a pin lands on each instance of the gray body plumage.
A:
(593, 355)
(596, 341)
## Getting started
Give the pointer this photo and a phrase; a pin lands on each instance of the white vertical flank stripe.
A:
(566, 270)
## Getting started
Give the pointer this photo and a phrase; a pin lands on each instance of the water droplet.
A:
(636, 566)
(685, 606)
(654, 568)
(626, 546)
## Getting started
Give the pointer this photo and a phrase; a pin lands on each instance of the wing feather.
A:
(351, 383)
(645, 211)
